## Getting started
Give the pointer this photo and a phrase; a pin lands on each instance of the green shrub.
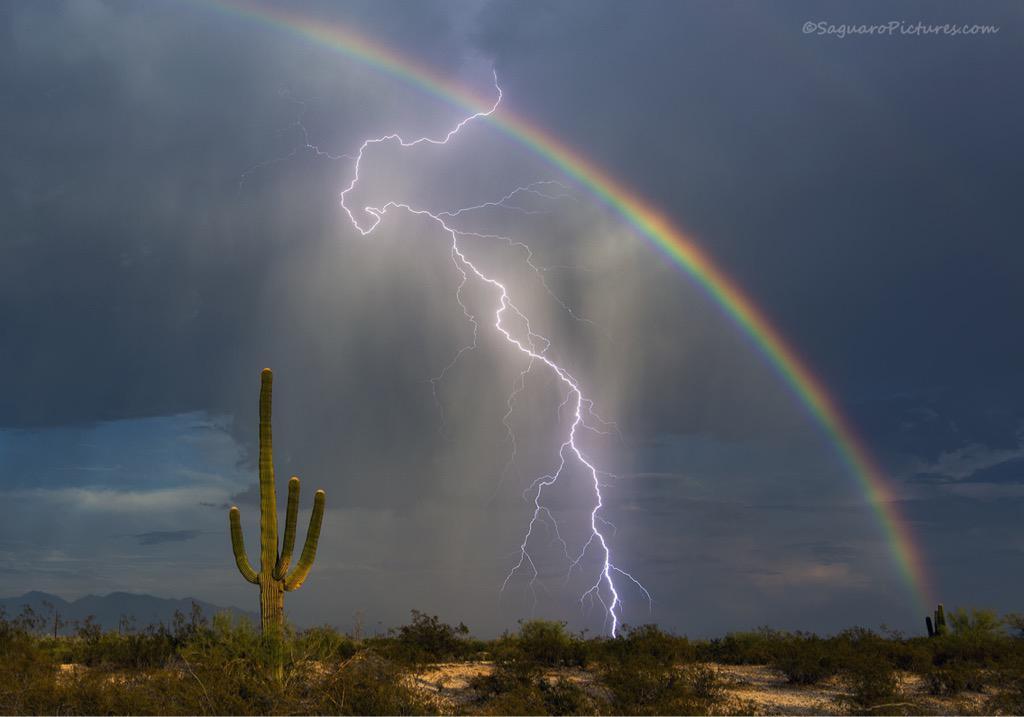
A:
(648, 641)
(805, 659)
(873, 684)
(642, 686)
(321, 643)
(427, 639)
(955, 677)
(366, 685)
(911, 655)
(1015, 623)
(743, 648)
(511, 691)
(978, 624)
(523, 700)
(564, 697)
(546, 642)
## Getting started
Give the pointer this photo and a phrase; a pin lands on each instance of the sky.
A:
(170, 224)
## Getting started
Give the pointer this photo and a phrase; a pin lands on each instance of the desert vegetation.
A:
(223, 665)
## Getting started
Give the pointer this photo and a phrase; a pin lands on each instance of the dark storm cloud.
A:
(926, 424)
(165, 536)
(1011, 471)
(860, 189)
(131, 269)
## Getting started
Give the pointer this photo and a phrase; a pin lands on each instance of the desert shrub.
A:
(426, 639)
(510, 691)
(518, 684)
(1008, 698)
(525, 699)
(366, 684)
(978, 624)
(523, 657)
(649, 642)
(911, 655)
(226, 670)
(982, 652)
(642, 686)
(152, 648)
(563, 697)
(102, 691)
(547, 642)
(504, 678)
(805, 659)
(27, 674)
(873, 684)
(129, 649)
(321, 643)
(1015, 623)
(704, 683)
(953, 678)
(743, 648)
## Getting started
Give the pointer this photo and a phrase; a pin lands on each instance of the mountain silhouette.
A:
(107, 610)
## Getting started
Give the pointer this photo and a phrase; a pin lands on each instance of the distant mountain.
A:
(108, 609)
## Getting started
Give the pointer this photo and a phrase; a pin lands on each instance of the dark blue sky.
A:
(164, 235)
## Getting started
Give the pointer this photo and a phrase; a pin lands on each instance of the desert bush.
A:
(911, 655)
(547, 642)
(129, 649)
(564, 697)
(805, 659)
(511, 691)
(367, 684)
(646, 641)
(1015, 623)
(977, 624)
(518, 684)
(539, 645)
(321, 643)
(1008, 697)
(27, 674)
(523, 699)
(425, 639)
(873, 685)
(642, 686)
(953, 678)
(743, 648)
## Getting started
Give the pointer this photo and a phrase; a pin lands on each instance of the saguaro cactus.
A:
(274, 578)
(939, 626)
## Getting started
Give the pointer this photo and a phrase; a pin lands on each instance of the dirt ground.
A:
(750, 689)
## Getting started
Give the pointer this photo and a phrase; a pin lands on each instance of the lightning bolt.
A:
(512, 325)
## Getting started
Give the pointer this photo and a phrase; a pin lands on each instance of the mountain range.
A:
(107, 610)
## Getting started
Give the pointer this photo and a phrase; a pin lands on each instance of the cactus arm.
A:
(238, 546)
(298, 574)
(291, 518)
(268, 497)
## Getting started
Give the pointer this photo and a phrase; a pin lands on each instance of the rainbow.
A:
(655, 227)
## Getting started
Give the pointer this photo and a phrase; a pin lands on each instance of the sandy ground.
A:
(750, 689)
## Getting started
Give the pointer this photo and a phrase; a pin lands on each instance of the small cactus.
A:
(938, 627)
(940, 620)
(274, 577)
